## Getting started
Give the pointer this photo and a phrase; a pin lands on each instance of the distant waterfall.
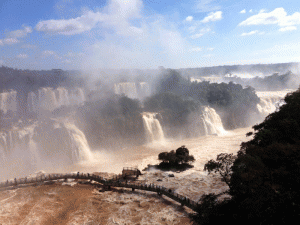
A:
(50, 99)
(44, 141)
(152, 127)
(269, 100)
(143, 90)
(19, 143)
(133, 90)
(8, 102)
(126, 88)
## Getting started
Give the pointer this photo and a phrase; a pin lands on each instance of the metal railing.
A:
(116, 181)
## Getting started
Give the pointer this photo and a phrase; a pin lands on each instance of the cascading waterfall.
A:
(143, 90)
(50, 99)
(79, 145)
(212, 121)
(126, 88)
(152, 127)
(76, 96)
(206, 122)
(17, 148)
(133, 90)
(62, 97)
(47, 99)
(8, 101)
(43, 142)
(269, 101)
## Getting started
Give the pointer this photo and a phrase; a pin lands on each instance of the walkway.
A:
(114, 182)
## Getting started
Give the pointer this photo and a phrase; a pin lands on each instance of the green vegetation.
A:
(173, 108)
(24, 81)
(178, 159)
(264, 178)
(275, 82)
(177, 98)
(112, 122)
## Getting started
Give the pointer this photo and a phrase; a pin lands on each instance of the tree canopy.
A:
(175, 158)
(265, 175)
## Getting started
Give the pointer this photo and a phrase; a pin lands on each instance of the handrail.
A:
(114, 182)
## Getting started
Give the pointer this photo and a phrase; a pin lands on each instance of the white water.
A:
(133, 90)
(41, 145)
(270, 100)
(126, 88)
(152, 127)
(8, 101)
(212, 122)
(50, 99)
(205, 122)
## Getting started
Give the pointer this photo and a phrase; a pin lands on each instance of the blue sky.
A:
(91, 34)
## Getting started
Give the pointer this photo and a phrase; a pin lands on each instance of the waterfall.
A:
(47, 99)
(133, 90)
(50, 99)
(79, 145)
(269, 100)
(126, 88)
(77, 96)
(143, 90)
(17, 148)
(8, 102)
(62, 97)
(207, 123)
(152, 127)
(47, 141)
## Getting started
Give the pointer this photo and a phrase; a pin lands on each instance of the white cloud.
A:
(115, 15)
(213, 16)
(13, 36)
(20, 33)
(22, 56)
(250, 33)
(122, 37)
(210, 49)
(192, 29)
(10, 41)
(200, 33)
(243, 11)
(250, 11)
(189, 18)
(196, 49)
(72, 26)
(48, 53)
(73, 54)
(51, 54)
(289, 28)
(277, 16)
(207, 6)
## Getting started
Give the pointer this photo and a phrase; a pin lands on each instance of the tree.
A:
(175, 158)
(264, 179)
(221, 165)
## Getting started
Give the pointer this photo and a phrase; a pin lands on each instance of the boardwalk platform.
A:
(114, 182)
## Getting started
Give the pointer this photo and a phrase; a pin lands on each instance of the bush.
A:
(176, 158)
